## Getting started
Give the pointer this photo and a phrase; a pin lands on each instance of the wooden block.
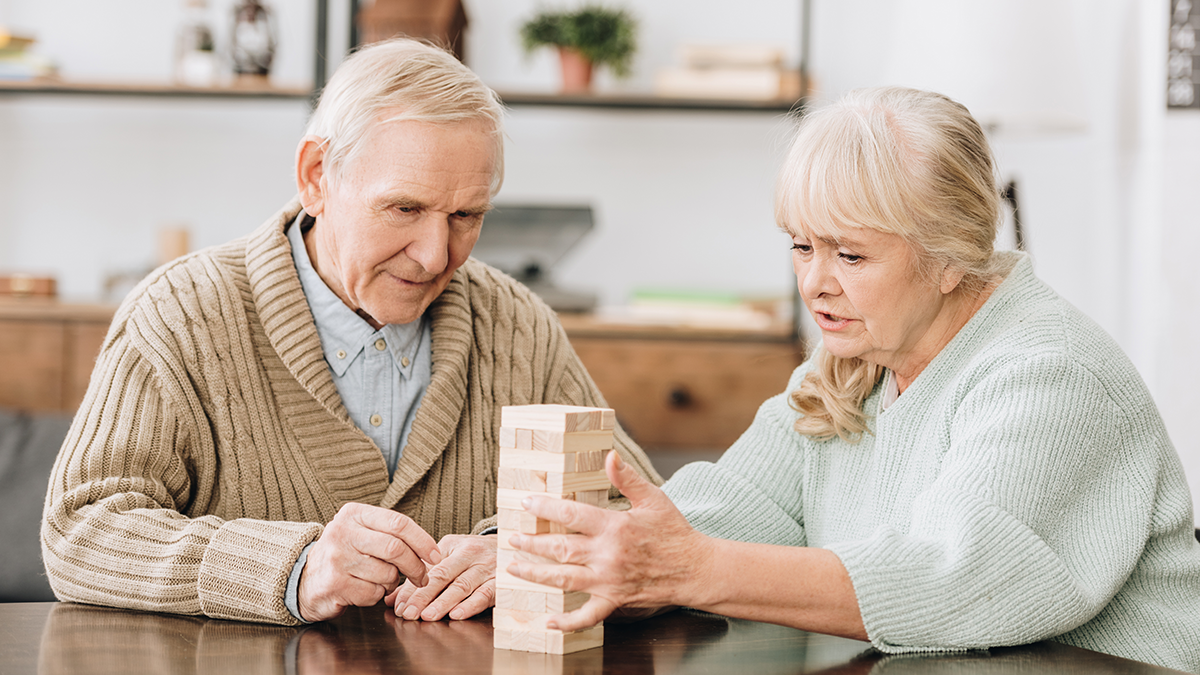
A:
(590, 460)
(515, 619)
(502, 535)
(537, 601)
(608, 418)
(506, 580)
(554, 417)
(521, 439)
(575, 641)
(577, 482)
(507, 498)
(526, 523)
(535, 460)
(505, 556)
(592, 497)
(521, 479)
(550, 642)
(580, 441)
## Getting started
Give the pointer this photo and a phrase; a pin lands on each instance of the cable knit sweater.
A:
(212, 445)
(1022, 488)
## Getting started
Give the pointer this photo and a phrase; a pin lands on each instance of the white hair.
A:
(422, 82)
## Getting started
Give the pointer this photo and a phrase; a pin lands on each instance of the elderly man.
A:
(305, 418)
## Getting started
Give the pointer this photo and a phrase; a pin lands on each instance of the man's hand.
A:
(360, 558)
(461, 586)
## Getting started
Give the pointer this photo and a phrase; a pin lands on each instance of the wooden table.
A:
(52, 638)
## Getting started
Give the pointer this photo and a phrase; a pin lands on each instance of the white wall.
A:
(682, 198)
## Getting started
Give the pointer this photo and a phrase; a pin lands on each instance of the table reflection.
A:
(84, 639)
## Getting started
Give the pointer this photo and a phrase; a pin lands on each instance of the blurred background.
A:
(140, 152)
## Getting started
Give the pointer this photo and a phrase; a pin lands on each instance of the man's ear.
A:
(951, 276)
(310, 174)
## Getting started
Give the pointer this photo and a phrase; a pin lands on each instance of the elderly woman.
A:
(966, 461)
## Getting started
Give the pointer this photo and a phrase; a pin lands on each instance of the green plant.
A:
(605, 36)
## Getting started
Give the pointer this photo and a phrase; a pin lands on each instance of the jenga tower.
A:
(552, 451)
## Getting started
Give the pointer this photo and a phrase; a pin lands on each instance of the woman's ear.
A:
(310, 174)
(951, 277)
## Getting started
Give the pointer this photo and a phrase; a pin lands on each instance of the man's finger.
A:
(481, 599)
(391, 550)
(439, 578)
(595, 610)
(403, 528)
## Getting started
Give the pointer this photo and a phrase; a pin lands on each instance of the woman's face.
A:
(866, 295)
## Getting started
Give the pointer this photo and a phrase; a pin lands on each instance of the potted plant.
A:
(586, 37)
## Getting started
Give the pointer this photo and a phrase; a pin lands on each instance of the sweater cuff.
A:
(292, 597)
(246, 566)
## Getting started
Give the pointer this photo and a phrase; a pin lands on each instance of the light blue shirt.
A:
(381, 375)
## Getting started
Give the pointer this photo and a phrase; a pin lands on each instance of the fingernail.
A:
(552, 625)
(399, 609)
(527, 502)
(435, 556)
(456, 614)
(620, 462)
(429, 614)
(410, 613)
(516, 540)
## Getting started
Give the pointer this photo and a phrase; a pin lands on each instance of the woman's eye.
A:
(851, 258)
(803, 248)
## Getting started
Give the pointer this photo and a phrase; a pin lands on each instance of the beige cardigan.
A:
(212, 444)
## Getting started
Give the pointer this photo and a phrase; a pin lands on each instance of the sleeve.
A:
(114, 529)
(753, 492)
(1036, 518)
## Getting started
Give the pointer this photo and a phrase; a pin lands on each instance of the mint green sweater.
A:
(1022, 488)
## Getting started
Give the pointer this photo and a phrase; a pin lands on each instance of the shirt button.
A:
(404, 361)
(341, 353)
(380, 344)
(376, 420)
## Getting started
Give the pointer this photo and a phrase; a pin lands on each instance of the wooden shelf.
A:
(648, 102)
(166, 90)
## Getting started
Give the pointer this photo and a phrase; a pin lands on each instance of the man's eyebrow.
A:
(407, 201)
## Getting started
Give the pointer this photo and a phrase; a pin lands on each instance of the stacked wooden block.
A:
(554, 451)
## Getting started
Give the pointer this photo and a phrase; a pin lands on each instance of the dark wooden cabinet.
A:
(684, 388)
(47, 352)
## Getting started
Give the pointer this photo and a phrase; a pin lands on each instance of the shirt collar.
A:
(343, 333)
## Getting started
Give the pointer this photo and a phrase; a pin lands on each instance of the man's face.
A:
(402, 216)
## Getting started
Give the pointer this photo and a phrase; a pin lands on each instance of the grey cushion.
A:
(28, 446)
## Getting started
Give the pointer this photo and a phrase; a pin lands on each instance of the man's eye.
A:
(462, 214)
(405, 209)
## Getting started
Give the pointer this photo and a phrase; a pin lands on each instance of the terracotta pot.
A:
(576, 71)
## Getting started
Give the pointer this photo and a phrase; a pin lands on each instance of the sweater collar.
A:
(289, 326)
(1014, 295)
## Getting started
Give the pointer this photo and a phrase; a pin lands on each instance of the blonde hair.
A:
(901, 161)
(426, 83)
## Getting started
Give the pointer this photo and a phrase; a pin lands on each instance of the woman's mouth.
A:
(832, 322)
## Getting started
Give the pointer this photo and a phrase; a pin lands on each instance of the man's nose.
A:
(431, 247)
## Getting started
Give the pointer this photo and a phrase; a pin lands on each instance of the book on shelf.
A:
(728, 71)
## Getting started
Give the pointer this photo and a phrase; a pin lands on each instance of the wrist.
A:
(702, 587)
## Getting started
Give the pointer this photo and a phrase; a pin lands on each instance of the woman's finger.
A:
(629, 483)
(582, 518)
(595, 610)
(566, 577)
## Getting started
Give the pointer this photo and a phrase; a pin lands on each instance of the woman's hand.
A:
(648, 556)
